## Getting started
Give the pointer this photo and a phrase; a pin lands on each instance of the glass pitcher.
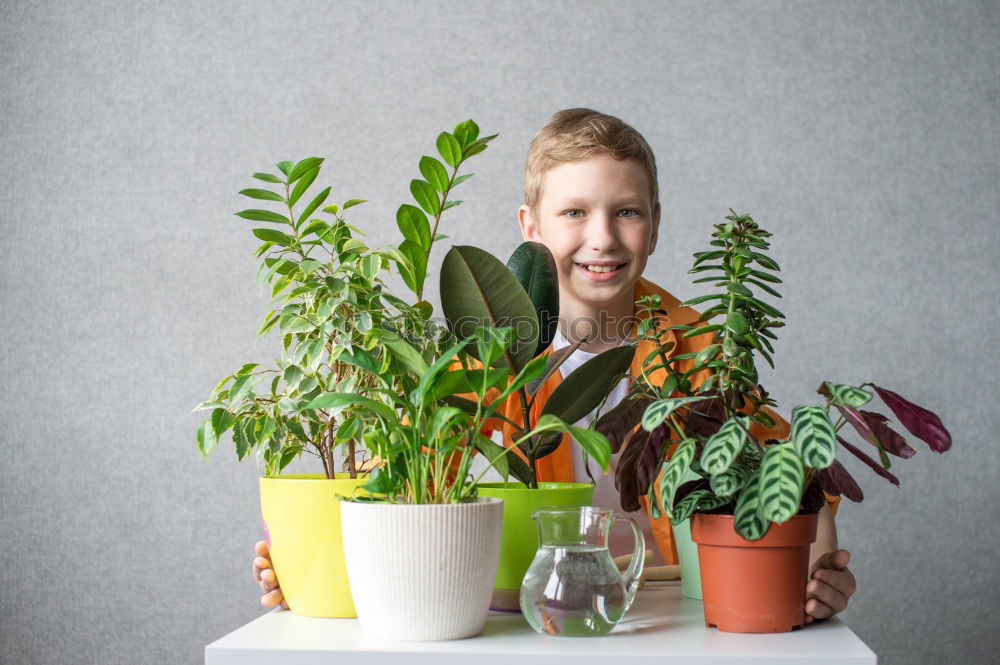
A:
(573, 586)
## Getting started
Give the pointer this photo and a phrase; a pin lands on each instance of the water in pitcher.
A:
(573, 590)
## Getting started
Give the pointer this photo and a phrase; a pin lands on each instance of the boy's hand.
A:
(264, 574)
(830, 586)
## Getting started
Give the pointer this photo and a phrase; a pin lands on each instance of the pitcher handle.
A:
(633, 574)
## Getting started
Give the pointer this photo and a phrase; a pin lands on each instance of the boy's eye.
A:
(634, 212)
(569, 213)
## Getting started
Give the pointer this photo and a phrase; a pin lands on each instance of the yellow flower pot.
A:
(302, 520)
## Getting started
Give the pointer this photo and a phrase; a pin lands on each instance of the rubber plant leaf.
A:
(923, 424)
(535, 268)
(580, 393)
(478, 290)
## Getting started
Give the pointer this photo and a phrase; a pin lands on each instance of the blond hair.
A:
(574, 134)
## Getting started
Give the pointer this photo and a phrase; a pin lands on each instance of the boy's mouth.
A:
(601, 270)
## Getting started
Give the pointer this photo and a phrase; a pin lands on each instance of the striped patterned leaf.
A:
(848, 395)
(657, 412)
(813, 436)
(673, 471)
(722, 447)
(687, 505)
(780, 485)
(731, 480)
(747, 518)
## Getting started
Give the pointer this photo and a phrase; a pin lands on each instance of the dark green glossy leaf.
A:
(535, 268)
(737, 323)
(579, 393)
(478, 290)
(466, 132)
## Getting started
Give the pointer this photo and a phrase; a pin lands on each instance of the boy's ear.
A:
(656, 227)
(529, 229)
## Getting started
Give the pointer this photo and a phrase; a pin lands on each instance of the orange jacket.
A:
(558, 467)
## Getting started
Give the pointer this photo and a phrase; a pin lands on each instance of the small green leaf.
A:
(303, 167)
(739, 289)
(302, 185)
(267, 177)
(725, 445)
(813, 436)
(435, 173)
(658, 411)
(706, 354)
(350, 203)
(460, 179)
(466, 132)
(275, 236)
(450, 149)
(737, 323)
(414, 225)
(781, 476)
(262, 194)
(315, 203)
(450, 204)
(847, 395)
(263, 216)
(425, 195)
(206, 438)
(284, 167)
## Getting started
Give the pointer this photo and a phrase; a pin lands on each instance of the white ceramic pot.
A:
(422, 572)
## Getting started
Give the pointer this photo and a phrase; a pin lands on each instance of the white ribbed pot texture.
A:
(422, 572)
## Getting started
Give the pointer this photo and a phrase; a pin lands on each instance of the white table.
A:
(662, 627)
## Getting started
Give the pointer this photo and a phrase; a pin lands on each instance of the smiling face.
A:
(596, 217)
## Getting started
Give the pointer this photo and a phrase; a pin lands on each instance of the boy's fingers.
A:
(261, 549)
(284, 604)
(841, 580)
(836, 560)
(833, 600)
(272, 598)
(817, 610)
(268, 582)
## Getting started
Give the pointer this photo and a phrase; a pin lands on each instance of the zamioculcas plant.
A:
(707, 409)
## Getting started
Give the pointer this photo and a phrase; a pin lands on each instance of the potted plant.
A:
(478, 290)
(332, 309)
(422, 550)
(754, 503)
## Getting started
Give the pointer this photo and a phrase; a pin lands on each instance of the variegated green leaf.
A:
(673, 471)
(781, 476)
(813, 436)
(722, 447)
(730, 481)
(747, 518)
(687, 505)
(657, 412)
(848, 395)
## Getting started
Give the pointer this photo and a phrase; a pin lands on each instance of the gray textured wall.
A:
(864, 134)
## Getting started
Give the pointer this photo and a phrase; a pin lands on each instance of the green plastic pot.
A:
(687, 551)
(520, 535)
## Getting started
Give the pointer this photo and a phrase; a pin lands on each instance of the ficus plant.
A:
(698, 417)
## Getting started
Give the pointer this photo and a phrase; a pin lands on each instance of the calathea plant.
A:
(706, 409)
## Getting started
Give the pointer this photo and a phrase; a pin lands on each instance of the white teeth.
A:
(601, 268)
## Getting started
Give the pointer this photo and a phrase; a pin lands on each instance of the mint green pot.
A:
(519, 541)
(687, 552)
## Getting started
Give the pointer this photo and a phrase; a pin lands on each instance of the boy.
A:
(591, 197)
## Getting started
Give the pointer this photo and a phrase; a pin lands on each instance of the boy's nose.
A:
(601, 236)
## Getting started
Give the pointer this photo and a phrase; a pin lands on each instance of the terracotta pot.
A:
(754, 586)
